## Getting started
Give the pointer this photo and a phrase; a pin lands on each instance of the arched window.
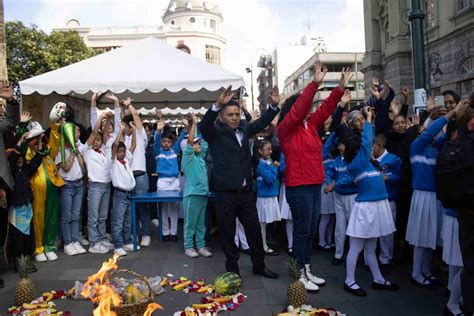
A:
(467, 67)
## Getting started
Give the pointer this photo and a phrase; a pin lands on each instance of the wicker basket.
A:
(136, 308)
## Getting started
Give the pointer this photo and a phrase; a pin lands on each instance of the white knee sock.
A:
(263, 228)
(371, 260)
(323, 225)
(289, 233)
(453, 270)
(356, 246)
(418, 253)
(455, 296)
(330, 229)
(426, 264)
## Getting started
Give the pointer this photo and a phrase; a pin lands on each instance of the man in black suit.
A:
(228, 139)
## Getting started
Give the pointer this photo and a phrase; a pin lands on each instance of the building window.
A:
(192, 20)
(462, 5)
(430, 13)
(337, 67)
(172, 22)
(213, 54)
(467, 67)
(212, 24)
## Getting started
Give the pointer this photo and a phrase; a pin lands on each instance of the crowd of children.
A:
(370, 156)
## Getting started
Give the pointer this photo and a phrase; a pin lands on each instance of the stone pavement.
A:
(264, 296)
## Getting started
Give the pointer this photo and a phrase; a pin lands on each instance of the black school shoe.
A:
(2, 284)
(174, 238)
(356, 292)
(386, 286)
(424, 285)
(166, 238)
(336, 261)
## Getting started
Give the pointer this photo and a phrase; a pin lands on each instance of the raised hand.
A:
(95, 96)
(6, 90)
(406, 95)
(158, 113)
(276, 163)
(184, 121)
(225, 97)
(346, 75)
(319, 72)
(275, 96)
(369, 112)
(394, 108)
(346, 97)
(109, 95)
(430, 104)
(126, 102)
(375, 81)
(243, 104)
(195, 119)
(160, 124)
(25, 116)
(374, 92)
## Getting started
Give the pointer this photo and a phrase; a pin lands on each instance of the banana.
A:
(181, 286)
(164, 282)
(203, 306)
(34, 306)
(204, 289)
(222, 299)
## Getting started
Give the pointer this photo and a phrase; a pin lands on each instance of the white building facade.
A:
(194, 26)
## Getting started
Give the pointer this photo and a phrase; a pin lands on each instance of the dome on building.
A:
(195, 5)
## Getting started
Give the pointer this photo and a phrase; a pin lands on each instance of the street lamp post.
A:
(250, 70)
(418, 52)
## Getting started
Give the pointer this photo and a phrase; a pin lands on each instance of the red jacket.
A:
(301, 145)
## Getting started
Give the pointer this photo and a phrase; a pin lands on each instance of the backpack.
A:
(454, 173)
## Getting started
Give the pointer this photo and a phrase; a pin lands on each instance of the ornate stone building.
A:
(194, 26)
(449, 44)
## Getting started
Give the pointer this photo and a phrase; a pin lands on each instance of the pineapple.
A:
(295, 292)
(25, 291)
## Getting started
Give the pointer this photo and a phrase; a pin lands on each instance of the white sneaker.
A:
(41, 257)
(79, 248)
(155, 222)
(312, 277)
(204, 252)
(98, 248)
(51, 255)
(308, 285)
(70, 250)
(129, 247)
(191, 253)
(120, 251)
(83, 241)
(146, 240)
(106, 243)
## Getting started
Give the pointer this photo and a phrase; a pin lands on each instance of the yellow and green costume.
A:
(44, 184)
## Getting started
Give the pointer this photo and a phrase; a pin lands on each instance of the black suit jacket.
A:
(231, 162)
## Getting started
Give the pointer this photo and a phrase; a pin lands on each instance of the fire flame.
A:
(151, 308)
(98, 289)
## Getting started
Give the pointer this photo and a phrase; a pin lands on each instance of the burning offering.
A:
(117, 296)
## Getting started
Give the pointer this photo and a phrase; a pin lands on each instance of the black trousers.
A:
(21, 244)
(466, 243)
(242, 205)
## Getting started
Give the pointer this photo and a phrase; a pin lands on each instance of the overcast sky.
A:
(248, 24)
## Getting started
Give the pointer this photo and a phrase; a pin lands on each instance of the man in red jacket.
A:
(304, 174)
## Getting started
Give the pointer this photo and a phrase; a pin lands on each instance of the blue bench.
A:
(155, 197)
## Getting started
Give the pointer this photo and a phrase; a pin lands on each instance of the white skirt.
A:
(268, 209)
(328, 205)
(424, 220)
(370, 220)
(284, 206)
(451, 250)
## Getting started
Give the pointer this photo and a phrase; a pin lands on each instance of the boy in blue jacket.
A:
(166, 155)
(390, 167)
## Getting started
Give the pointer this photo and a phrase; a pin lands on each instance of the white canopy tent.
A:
(152, 73)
